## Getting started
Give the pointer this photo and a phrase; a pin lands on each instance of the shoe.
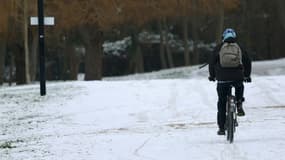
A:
(221, 132)
(240, 111)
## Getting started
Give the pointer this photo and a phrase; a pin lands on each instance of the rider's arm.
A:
(246, 60)
(213, 61)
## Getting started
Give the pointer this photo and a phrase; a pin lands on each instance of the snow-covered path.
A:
(138, 120)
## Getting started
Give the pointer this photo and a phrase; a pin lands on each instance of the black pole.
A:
(41, 46)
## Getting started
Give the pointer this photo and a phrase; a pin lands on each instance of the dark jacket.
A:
(229, 74)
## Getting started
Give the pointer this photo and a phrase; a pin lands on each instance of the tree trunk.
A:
(94, 53)
(71, 63)
(74, 63)
(66, 64)
(20, 62)
(137, 57)
(162, 42)
(195, 35)
(167, 47)
(90, 73)
(11, 68)
(186, 41)
(281, 10)
(220, 21)
(26, 42)
(34, 57)
(2, 58)
(71, 60)
(99, 56)
(246, 22)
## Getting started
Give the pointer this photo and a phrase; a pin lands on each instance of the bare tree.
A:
(33, 48)
(137, 55)
(220, 20)
(2, 57)
(281, 10)
(185, 21)
(4, 10)
(26, 40)
(246, 15)
(162, 49)
(167, 43)
(195, 35)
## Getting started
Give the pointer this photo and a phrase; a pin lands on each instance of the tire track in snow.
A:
(139, 148)
(171, 105)
(204, 102)
(232, 152)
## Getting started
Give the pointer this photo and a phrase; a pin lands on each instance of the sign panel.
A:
(48, 21)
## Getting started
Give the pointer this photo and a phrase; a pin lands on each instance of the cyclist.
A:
(231, 75)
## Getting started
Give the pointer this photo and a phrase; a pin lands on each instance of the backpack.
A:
(230, 55)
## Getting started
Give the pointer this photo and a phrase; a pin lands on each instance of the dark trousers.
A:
(223, 89)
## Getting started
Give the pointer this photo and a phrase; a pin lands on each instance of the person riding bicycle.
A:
(230, 65)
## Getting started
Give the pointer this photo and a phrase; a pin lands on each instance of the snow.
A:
(119, 47)
(152, 116)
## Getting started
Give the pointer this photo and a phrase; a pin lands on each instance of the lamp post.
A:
(41, 46)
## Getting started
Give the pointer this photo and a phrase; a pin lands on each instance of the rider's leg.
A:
(222, 90)
(239, 90)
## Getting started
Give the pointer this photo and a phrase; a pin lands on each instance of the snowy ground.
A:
(146, 119)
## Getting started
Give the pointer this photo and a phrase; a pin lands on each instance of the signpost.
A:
(41, 21)
(41, 46)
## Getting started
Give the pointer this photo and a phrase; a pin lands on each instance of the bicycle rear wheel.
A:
(230, 127)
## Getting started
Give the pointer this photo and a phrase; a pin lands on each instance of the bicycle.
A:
(231, 116)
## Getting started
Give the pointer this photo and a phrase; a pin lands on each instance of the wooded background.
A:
(155, 34)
